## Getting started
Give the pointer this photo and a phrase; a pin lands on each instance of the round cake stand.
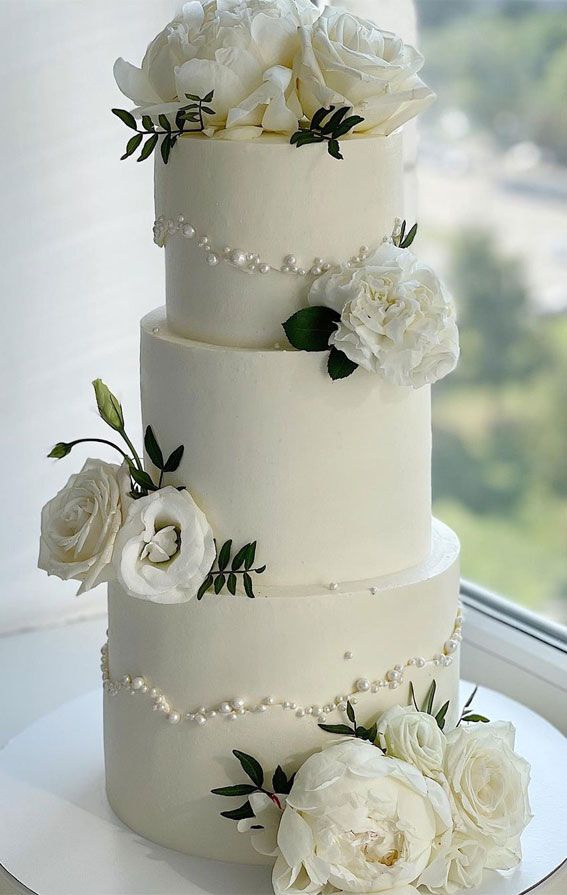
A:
(59, 836)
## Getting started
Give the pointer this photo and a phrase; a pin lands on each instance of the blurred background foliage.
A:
(500, 446)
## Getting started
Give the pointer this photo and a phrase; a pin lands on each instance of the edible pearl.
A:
(200, 720)
(393, 675)
(325, 267)
(188, 231)
(300, 713)
(137, 683)
(393, 685)
(174, 717)
(225, 708)
(264, 268)
(420, 662)
(348, 655)
(238, 257)
(450, 646)
(316, 271)
(374, 590)
(363, 684)
(321, 719)
(269, 700)
(290, 260)
(238, 703)
(203, 241)
(333, 585)
(212, 259)
(232, 717)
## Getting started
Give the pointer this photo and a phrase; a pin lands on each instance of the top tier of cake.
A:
(223, 207)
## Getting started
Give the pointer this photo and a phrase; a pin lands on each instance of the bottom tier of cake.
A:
(260, 676)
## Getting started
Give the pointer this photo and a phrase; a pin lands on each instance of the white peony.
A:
(346, 60)
(165, 549)
(79, 526)
(460, 866)
(241, 49)
(489, 788)
(358, 821)
(414, 737)
(265, 823)
(397, 319)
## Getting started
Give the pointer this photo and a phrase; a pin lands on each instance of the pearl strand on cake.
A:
(236, 707)
(249, 262)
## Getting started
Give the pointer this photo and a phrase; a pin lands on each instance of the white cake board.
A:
(60, 837)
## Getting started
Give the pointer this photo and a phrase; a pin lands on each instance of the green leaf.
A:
(335, 120)
(248, 586)
(350, 712)
(334, 149)
(180, 120)
(402, 233)
(241, 789)
(109, 406)
(405, 244)
(241, 813)
(250, 556)
(340, 366)
(174, 459)
(441, 715)
(194, 97)
(372, 732)
(207, 583)
(279, 781)
(61, 449)
(148, 123)
(261, 570)
(164, 122)
(142, 479)
(347, 125)
(208, 111)
(224, 555)
(126, 117)
(250, 766)
(430, 696)
(153, 448)
(231, 583)
(311, 328)
(470, 700)
(131, 146)
(477, 718)
(340, 729)
(413, 700)
(360, 732)
(165, 149)
(219, 583)
(208, 98)
(238, 560)
(149, 147)
(320, 116)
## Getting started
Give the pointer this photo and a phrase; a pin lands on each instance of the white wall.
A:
(78, 267)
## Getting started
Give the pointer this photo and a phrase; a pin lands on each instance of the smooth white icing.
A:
(159, 776)
(331, 478)
(272, 200)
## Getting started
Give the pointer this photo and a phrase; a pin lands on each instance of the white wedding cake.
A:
(276, 578)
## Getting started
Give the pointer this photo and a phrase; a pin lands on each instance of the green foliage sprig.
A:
(111, 412)
(281, 784)
(402, 239)
(357, 730)
(468, 715)
(310, 330)
(229, 567)
(327, 126)
(192, 113)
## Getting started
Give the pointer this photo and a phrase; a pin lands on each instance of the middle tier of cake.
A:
(332, 479)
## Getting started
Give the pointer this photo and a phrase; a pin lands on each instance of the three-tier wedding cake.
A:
(277, 583)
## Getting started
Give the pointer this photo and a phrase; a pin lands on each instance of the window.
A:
(493, 214)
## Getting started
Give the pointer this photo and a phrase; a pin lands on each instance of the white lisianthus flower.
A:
(489, 789)
(165, 549)
(346, 60)
(80, 524)
(243, 50)
(268, 812)
(358, 821)
(414, 737)
(397, 318)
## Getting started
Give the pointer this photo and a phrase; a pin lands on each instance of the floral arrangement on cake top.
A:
(122, 523)
(237, 68)
(402, 807)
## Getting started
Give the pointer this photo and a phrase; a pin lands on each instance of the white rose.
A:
(265, 823)
(414, 737)
(359, 821)
(397, 319)
(489, 788)
(346, 60)
(165, 549)
(460, 866)
(79, 526)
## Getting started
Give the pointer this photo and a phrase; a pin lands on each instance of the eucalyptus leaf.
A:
(126, 117)
(132, 145)
(441, 715)
(219, 583)
(164, 122)
(347, 125)
(149, 147)
(241, 789)
(405, 244)
(208, 98)
(148, 123)
(153, 448)
(109, 406)
(251, 767)
(477, 718)
(250, 556)
(339, 365)
(231, 583)
(311, 328)
(224, 555)
(165, 148)
(334, 149)
(335, 120)
(238, 560)
(279, 781)
(248, 586)
(208, 111)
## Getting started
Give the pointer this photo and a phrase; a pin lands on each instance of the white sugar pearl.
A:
(321, 719)
(348, 655)
(238, 703)
(212, 259)
(269, 700)
(374, 590)
(174, 717)
(393, 685)
(354, 700)
(328, 709)
(420, 661)
(264, 268)
(171, 227)
(398, 668)
(232, 717)
(317, 262)
(238, 257)
(126, 680)
(203, 241)
(262, 708)
(301, 271)
(225, 708)
(212, 714)
(364, 250)
(188, 231)
(450, 646)
(137, 683)
(180, 219)
(342, 706)
(300, 713)
(144, 689)
(290, 260)
(190, 716)
(284, 268)
(393, 675)
(374, 688)
(316, 271)
(200, 720)
(333, 585)
(363, 684)
(325, 267)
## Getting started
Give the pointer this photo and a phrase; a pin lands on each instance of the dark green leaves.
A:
(311, 328)
(281, 783)
(468, 715)
(227, 571)
(327, 125)
(132, 145)
(241, 789)
(242, 813)
(370, 734)
(156, 455)
(126, 117)
(61, 449)
(475, 718)
(441, 714)
(174, 459)
(149, 147)
(251, 767)
(340, 729)
(403, 240)
(340, 366)
(427, 706)
(109, 406)
(143, 479)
